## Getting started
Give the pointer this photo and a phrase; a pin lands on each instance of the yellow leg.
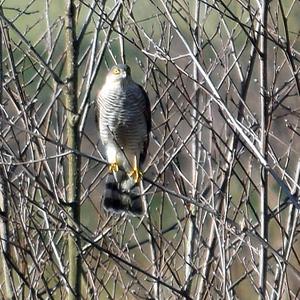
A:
(113, 167)
(136, 174)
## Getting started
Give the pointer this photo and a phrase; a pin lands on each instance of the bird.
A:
(124, 121)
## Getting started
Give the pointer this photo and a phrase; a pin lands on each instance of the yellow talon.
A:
(113, 167)
(136, 174)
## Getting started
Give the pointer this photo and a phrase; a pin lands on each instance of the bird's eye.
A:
(116, 71)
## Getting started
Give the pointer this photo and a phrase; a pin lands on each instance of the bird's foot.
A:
(136, 175)
(113, 167)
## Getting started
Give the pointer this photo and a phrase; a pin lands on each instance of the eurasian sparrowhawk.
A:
(124, 123)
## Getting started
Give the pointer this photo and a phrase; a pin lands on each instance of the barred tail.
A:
(118, 198)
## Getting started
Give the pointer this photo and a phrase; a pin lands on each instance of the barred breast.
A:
(122, 119)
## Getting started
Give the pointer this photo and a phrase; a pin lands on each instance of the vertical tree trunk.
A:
(192, 229)
(4, 236)
(73, 142)
(4, 228)
(264, 100)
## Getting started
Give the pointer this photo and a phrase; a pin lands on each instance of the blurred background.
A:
(222, 172)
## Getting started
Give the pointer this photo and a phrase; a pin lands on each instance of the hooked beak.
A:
(124, 74)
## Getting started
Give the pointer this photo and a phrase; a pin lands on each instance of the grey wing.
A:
(147, 115)
(97, 110)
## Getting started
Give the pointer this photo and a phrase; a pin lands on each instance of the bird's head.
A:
(120, 72)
